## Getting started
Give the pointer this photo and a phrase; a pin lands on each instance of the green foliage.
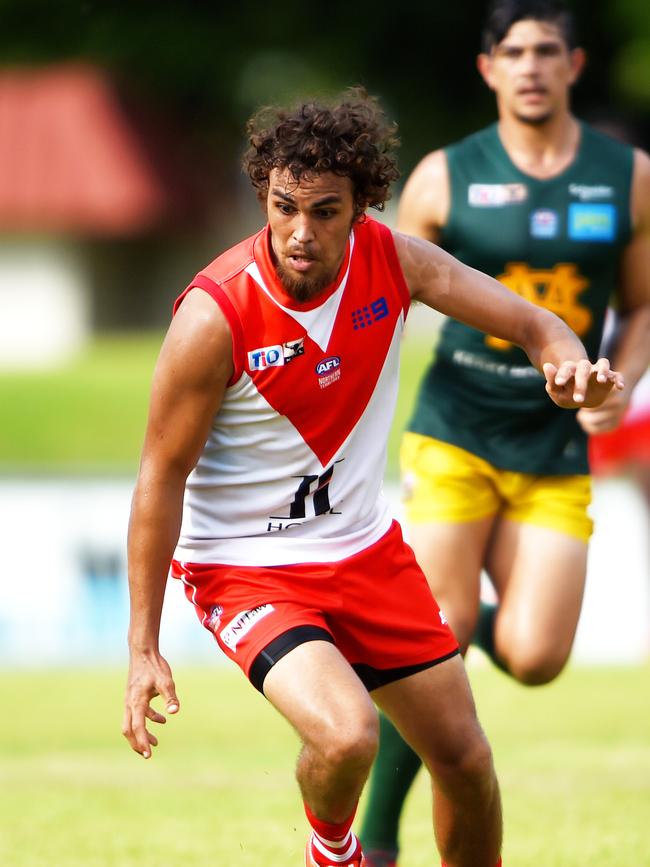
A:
(573, 760)
(204, 67)
(633, 71)
(207, 66)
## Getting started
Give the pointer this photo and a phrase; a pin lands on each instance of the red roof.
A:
(70, 160)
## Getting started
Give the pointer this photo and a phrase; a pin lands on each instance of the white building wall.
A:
(44, 302)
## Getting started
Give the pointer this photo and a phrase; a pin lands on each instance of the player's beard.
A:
(302, 289)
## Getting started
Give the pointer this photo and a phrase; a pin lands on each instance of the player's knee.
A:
(477, 762)
(351, 744)
(535, 666)
(464, 750)
(467, 760)
(354, 745)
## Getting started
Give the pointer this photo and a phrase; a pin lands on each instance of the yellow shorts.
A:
(442, 482)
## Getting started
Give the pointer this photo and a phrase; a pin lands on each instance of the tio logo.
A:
(267, 356)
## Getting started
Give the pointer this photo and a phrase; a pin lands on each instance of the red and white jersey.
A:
(292, 468)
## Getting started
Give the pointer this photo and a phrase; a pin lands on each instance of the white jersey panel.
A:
(260, 496)
(319, 323)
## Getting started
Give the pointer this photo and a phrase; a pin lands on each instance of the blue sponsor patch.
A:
(544, 223)
(592, 222)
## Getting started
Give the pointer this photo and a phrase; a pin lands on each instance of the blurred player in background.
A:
(560, 214)
(624, 450)
(262, 469)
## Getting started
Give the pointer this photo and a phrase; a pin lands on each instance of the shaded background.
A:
(205, 66)
(187, 76)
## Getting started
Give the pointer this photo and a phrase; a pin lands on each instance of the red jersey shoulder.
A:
(379, 257)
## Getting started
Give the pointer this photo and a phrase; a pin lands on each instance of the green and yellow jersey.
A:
(555, 242)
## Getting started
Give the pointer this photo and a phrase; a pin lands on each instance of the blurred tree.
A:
(207, 65)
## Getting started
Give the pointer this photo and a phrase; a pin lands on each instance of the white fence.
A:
(64, 596)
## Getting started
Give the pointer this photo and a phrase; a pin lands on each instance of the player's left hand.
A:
(577, 384)
(607, 416)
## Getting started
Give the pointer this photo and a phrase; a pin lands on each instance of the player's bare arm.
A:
(425, 200)
(632, 350)
(439, 280)
(193, 368)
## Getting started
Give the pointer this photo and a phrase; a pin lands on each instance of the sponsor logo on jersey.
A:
(293, 348)
(592, 222)
(213, 621)
(327, 365)
(364, 317)
(544, 223)
(557, 289)
(242, 624)
(328, 370)
(496, 195)
(589, 193)
(276, 356)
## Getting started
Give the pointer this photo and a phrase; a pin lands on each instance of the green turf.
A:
(573, 759)
(89, 416)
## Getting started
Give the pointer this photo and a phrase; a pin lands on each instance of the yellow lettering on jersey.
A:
(556, 288)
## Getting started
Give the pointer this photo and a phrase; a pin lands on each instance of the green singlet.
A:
(555, 242)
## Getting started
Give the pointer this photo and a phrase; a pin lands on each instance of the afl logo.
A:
(327, 365)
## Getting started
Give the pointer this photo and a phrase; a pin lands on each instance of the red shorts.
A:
(375, 606)
(629, 444)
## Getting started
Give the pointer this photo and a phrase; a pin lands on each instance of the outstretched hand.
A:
(580, 383)
(149, 676)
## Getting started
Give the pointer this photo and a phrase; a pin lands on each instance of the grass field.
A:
(89, 415)
(573, 760)
(86, 415)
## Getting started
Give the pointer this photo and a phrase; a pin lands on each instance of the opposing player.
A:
(624, 450)
(495, 476)
(261, 476)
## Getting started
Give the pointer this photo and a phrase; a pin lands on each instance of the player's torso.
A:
(555, 242)
(292, 468)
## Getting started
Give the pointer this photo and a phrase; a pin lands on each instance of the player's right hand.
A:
(149, 676)
(581, 384)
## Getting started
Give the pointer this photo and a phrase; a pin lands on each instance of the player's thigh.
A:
(450, 502)
(434, 711)
(451, 556)
(539, 575)
(316, 690)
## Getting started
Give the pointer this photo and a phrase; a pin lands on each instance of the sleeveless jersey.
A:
(292, 468)
(557, 243)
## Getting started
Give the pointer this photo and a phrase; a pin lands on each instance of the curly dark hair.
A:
(350, 137)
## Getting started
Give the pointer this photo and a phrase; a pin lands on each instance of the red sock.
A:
(332, 841)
